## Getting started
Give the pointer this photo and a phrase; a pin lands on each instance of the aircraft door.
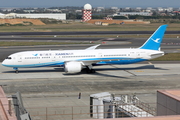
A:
(133, 54)
(19, 59)
(54, 57)
(138, 54)
(100, 55)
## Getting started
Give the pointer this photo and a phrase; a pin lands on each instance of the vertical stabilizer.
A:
(154, 42)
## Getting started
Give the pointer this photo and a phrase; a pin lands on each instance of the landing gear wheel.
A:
(90, 70)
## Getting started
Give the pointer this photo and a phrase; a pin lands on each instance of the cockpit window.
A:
(8, 58)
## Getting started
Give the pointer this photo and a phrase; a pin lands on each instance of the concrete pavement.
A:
(50, 87)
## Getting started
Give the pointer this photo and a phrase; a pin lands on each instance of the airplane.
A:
(74, 61)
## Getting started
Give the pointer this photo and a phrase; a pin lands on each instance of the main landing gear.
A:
(89, 69)
(16, 70)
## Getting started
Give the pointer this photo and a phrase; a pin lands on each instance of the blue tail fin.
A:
(154, 42)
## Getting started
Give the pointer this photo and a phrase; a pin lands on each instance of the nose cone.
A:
(4, 63)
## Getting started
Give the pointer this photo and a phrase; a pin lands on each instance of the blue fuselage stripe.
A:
(60, 63)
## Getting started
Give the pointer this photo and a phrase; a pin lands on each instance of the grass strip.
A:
(30, 43)
(87, 27)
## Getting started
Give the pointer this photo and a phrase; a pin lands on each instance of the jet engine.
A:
(72, 67)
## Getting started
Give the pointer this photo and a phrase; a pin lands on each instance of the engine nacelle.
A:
(72, 67)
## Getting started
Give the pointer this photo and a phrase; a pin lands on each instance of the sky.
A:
(94, 3)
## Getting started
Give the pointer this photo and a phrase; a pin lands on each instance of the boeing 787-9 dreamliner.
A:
(74, 61)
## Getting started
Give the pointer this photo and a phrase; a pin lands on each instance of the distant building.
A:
(114, 8)
(108, 18)
(132, 13)
(99, 9)
(7, 9)
(78, 11)
(2, 15)
(29, 11)
(160, 9)
(169, 9)
(127, 8)
(176, 12)
(138, 8)
(10, 15)
(149, 8)
(59, 16)
(54, 10)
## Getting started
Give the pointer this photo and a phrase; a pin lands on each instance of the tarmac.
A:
(51, 87)
(50, 94)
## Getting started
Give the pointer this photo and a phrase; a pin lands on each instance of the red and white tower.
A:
(87, 12)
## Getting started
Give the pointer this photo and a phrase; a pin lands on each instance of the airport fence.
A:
(83, 112)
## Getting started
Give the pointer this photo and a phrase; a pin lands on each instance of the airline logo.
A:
(35, 54)
(156, 40)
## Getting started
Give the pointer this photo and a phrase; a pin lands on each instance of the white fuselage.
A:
(29, 59)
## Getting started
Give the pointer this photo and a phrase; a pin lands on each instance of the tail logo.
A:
(156, 40)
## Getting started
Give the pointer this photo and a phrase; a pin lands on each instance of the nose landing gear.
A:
(16, 70)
